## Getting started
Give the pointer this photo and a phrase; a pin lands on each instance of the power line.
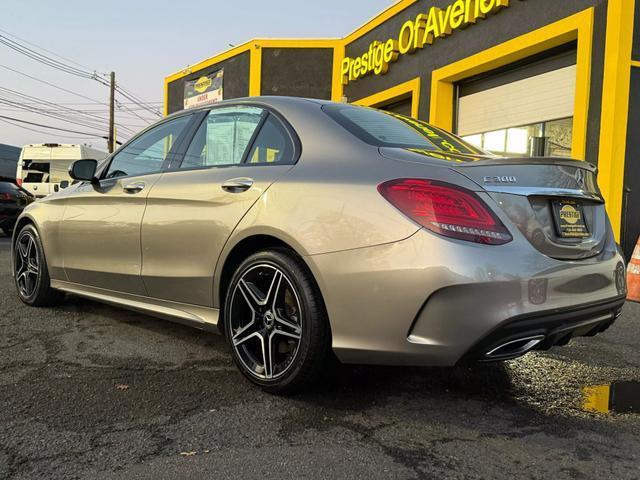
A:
(64, 67)
(90, 134)
(92, 103)
(50, 115)
(139, 102)
(21, 95)
(82, 72)
(51, 62)
(12, 108)
(52, 85)
(121, 107)
(43, 131)
(41, 101)
(44, 49)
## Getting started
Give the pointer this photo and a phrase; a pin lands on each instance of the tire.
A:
(30, 271)
(290, 328)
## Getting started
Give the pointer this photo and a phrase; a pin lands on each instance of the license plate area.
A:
(569, 219)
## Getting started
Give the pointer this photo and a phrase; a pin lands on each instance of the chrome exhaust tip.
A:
(514, 348)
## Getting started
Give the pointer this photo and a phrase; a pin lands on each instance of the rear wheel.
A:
(30, 270)
(276, 323)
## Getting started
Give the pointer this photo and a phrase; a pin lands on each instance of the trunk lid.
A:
(554, 202)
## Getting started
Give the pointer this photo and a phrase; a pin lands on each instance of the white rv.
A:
(43, 168)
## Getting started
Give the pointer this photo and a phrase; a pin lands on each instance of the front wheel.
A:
(276, 323)
(30, 270)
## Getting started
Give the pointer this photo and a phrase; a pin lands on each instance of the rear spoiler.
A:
(566, 162)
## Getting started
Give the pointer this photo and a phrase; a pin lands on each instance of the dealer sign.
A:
(422, 30)
(204, 90)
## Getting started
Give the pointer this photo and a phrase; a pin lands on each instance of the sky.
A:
(142, 41)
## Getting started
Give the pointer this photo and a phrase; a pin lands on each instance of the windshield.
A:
(387, 129)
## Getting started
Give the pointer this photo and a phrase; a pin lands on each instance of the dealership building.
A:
(515, 77)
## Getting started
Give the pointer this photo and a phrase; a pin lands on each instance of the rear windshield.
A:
(387, 129)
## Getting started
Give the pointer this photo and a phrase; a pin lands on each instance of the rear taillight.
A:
(446, 209)
(6, 196)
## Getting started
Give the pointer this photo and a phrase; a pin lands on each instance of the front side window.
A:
(147, 153)
(223, 137)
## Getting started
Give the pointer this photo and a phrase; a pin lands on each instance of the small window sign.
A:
(204, 90)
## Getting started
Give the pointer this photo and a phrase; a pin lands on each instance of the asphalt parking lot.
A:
(92, 391)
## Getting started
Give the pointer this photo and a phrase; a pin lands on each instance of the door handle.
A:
(134, 187)
(237, 185)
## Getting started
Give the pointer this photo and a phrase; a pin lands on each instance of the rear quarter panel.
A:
(329, 201)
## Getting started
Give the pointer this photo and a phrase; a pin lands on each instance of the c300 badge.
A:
(500, 179)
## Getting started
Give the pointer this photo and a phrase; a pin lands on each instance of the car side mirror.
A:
(84, 170)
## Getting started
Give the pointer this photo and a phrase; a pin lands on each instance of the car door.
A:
(100, 231)
(235, 155)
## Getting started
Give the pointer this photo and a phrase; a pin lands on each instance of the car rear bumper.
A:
(543, 330)
(433, 301)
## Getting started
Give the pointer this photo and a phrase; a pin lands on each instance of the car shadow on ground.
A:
(550, 383)
(350, 383)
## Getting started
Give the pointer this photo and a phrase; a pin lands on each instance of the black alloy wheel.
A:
(30, 270)
(275, 322)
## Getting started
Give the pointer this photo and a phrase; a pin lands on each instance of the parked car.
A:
(303, 229)
(44, 168)
(13, 200)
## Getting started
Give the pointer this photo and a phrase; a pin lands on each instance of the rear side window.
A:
(272, 144)
(387, 129)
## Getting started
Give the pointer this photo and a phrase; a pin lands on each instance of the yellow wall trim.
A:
(337, 89)
(390, 95)
(232, 52)
(635, 63)
(615, 106)
(254, 47)
(255, 70)
(378, 19)
(260, 42)
(576, 27)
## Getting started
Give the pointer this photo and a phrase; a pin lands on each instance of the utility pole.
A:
(112, 134)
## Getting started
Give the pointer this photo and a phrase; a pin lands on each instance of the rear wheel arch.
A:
(242, 250)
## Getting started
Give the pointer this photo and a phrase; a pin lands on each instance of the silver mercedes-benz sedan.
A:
(304, 229)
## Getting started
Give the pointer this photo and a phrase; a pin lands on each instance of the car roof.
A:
(274, 101)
